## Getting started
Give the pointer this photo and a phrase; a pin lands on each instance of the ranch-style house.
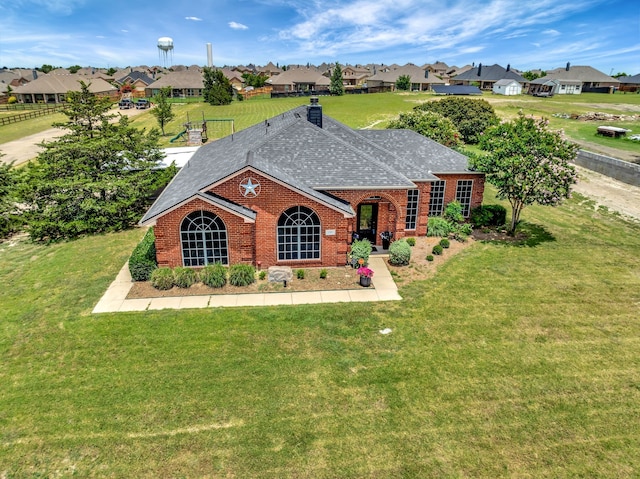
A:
(296, 189)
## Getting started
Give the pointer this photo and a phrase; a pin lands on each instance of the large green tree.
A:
(217, 87)
(97, 177)
(163, 109)
(9, 213)
(527, 163)
(429, 124)
(336, 87)
(470, 117)
(256, 81)
(403, 83)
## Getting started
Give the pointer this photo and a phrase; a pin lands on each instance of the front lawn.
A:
(513, 360)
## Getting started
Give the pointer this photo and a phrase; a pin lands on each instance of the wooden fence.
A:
(266, 90)
(27, 115)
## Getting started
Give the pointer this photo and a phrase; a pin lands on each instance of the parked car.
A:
(142, 104)
(125, 104)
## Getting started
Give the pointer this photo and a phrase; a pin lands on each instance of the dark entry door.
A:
(368, 221)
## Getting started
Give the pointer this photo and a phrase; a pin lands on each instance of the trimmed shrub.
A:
(323, 273)
(411, 241)
(499, 214)
(300, 273)
(360, 249)
(241, 274)
(429, 257)
(444, 242)
(489, 215)
(480, 216)
(184, 277)
(214, 275)
(438, 226)
(142, 261)
(399, 253)
(162, 278)
(437, 250)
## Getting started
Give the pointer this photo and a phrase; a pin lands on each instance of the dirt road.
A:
(27, 148)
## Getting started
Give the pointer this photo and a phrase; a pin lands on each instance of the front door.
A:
(368, 221)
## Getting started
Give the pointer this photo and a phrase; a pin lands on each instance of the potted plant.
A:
(365, 274)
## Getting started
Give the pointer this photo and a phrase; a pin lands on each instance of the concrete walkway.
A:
(114, 300)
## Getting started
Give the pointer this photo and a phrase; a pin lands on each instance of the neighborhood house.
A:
(297, 188)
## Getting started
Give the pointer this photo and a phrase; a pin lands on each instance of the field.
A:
(513, 360)
(374, 111)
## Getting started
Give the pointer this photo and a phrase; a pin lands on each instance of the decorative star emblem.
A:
(249, 188)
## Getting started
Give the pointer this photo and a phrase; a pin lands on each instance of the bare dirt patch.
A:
(605, 191)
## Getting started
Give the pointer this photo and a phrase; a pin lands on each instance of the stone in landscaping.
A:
(278, 274)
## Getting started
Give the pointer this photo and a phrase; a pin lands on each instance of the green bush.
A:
(323, 273)
(399, 253)
(453, 212)
(444, 242)
(142, 261)
(162, 278)
(411, 241)
(488, 215)
(438, 226)
(214, 275)
(184, 277)
(429, 257)
(262, 275)
(437, 249)
(360, 249)
(300, 274)
(241, 274)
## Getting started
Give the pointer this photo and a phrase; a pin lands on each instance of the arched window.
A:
(299, 234)
(204, 239)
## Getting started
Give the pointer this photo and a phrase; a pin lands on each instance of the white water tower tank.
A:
(165, 49)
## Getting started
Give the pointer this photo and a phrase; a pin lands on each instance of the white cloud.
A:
(195, 19)
(551, 32)
(238, 26)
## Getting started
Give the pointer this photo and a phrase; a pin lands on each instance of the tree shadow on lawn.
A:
(527, 235)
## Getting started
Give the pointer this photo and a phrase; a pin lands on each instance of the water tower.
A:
(165, 50)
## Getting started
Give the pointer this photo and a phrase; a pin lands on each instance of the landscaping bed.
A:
(338, 278)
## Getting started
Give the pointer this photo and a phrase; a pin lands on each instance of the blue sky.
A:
(526, 34)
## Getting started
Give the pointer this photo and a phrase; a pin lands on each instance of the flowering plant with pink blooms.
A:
(364, 271)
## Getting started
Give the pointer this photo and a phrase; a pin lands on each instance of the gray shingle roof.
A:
(580, 73)
(311, 160)
(490, 73)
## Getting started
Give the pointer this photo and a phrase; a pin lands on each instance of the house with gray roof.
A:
(485, 76)
(589, 79)
(296, 189)
(630, 83)
(421, 79)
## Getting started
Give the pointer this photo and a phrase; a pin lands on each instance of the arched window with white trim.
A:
(298, 234)
(203, 236)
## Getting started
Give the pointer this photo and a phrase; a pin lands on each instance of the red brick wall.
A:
(452, 183)
(257, 243)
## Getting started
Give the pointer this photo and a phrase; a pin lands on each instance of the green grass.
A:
(513, 361)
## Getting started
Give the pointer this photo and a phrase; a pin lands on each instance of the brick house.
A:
(294, 189)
